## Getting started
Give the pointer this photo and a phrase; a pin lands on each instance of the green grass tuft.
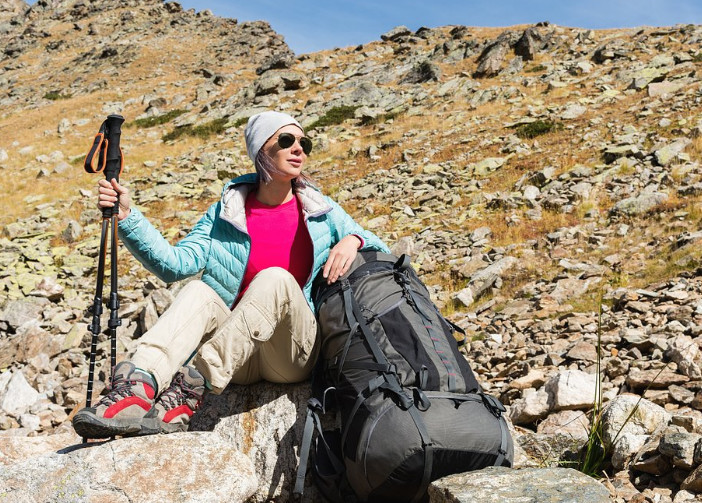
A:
(336, 115)
(205, 130)
(536, 69)
(56, 95)
(594, 456)
(241, 121)
(157, 120)
(537, 128)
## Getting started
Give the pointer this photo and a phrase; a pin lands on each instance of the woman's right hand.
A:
(108, 196)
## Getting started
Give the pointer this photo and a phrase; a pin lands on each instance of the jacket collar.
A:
(233, 208)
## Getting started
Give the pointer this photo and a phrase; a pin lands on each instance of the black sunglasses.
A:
(286, 140)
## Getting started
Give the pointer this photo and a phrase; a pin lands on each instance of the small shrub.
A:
(56, 95)
(205, 130)
(336, 115)
(537, 128)
(241, 121)
(157, 120)
(536, 69)
(697, 58)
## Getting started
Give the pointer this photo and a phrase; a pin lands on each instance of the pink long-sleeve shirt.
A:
(279, 238)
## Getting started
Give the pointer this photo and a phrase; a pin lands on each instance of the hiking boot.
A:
(175, 406)
(119, 412)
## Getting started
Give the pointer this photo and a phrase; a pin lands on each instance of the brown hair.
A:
(265, 168)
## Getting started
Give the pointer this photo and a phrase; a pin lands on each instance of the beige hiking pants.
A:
(271, 334)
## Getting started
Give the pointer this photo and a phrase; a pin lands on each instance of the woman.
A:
(251, 316)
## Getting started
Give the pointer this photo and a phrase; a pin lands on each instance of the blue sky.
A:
(310, 26)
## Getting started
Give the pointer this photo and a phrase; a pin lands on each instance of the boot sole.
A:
(92, 426)
(153, 426)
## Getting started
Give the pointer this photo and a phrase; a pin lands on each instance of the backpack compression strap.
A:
(312, 422)
(391, 384)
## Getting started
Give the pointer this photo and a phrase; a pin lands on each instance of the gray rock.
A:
(425, 71)
(292, 81)
(667, 154)
(396, 33)
(72, 231)
(532, 406)
(531, 192)
(404, 245)
(145, 469)
(498, 268)
(573, 111)
(654, 379)
(583, 351)
(64, 126)
(268, 84)
(614, 152)
(656, 89)
(632, 206)
(569, 288)
(571, 389)
(492, 58)
(529, 44)
(551, 450)
(480, 233)
(18, 312)
(465, 297)
(683, 350)
(30, 422)
(162, 298)
(644, 77)
(18, 449)
(620, 418)
(693, 482)
(49, 289)
(625, 448)
(18, 396)
(503, 485)
(276, 62)
(680, 446)
(568, 422)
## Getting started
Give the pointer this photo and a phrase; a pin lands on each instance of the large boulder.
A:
(504, 485)
(192, 467)
(264, 422)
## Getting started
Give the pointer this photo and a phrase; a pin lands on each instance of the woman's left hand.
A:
(340, 258)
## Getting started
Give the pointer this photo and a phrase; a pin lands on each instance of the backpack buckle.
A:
(315, 405)
(421, 400)
(493, 405)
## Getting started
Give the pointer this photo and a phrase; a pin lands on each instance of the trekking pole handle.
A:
(114, 154)
(113, 157)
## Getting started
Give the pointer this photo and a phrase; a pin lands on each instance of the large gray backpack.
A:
(409, 409)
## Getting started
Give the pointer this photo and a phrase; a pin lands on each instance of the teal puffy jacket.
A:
(219, 244)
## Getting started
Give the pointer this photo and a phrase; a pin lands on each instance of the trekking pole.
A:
(105, 155)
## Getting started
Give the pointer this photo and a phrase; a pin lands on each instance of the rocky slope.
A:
(545, 180)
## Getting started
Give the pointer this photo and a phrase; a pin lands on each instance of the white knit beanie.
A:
(262, 126)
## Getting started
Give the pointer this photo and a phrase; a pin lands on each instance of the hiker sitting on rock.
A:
(251, 315)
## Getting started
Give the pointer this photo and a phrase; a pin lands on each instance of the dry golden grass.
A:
(695, 149)
(506, 234)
